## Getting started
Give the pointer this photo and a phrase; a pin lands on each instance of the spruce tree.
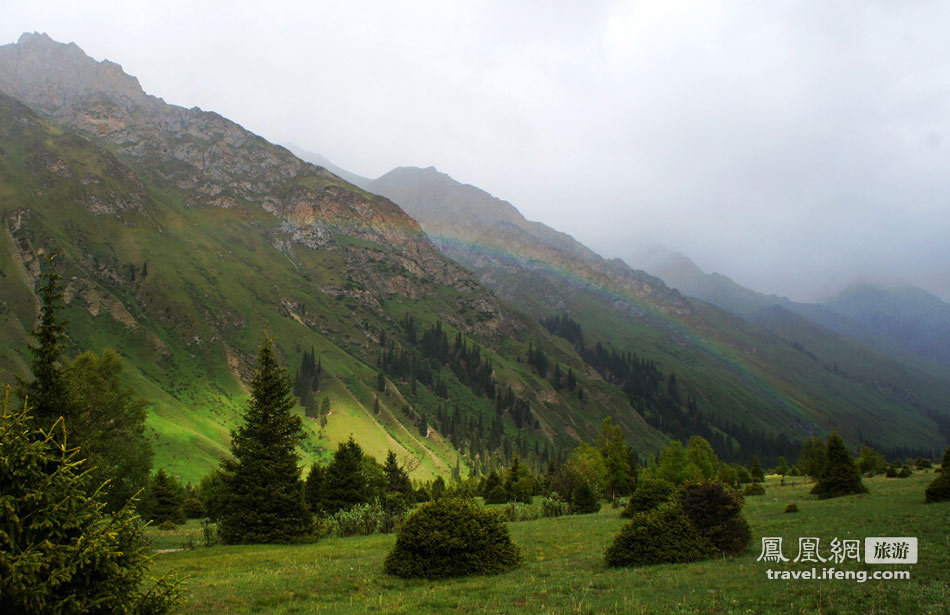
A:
(263, 491)
(346, 483)
(755, 471)
(47, 393)
(315, 488)
(60, 552)
(840, 475)
(163, 499)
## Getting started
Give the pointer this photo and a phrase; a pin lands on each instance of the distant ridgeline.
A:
(662, 404)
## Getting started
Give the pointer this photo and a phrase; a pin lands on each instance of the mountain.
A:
(906, 318)
(184, 238)
(907, 321)
(741, 383)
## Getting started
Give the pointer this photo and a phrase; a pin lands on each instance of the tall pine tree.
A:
(263, 499)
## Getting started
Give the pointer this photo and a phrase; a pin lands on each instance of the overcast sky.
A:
(794, 146)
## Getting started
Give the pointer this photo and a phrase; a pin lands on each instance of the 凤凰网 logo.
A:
(877, 550)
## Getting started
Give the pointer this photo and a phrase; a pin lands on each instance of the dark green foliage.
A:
(450, 538)
(890, 472)
(163, 499)
(939, 488)
(662, 535)
(755, 471)
(437, 489)
(48, 394)
(167, 526)
(397, 480)
(650, 493)
(315, 489)
(59, 550)
(422, 495)
(840, 476)
(584, 500)
(792, 508)
(211, 494)
(716, 513)
(108, 424)
(491, 481)
(811, 459)
(193, 508)
(753, 489)
(263, 491)
(905, 472)
(497, 495)
(922, 463)
(345, 482)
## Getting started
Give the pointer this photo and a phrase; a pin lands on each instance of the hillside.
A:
(185, 237)
(736, 378)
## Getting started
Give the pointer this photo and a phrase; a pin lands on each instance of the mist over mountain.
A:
(549, 273)
(906, 320)
(184, 238)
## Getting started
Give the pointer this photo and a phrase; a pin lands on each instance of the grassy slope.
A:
(742, 373)
(564, 570)
(189, 329)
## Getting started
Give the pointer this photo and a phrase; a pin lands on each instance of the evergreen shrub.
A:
(650, 493)
(452, 537)
(658, 536)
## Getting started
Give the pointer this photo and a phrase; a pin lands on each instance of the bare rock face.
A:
(217, 163)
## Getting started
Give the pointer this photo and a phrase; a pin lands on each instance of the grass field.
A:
(564, 570)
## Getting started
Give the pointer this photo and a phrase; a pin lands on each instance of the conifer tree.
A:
(755, 471)
(263, 491)
(60, 552)
(48, 395)
(840, 475)
(346, 483)
(397, 481)
(315, 489)
(163, 499)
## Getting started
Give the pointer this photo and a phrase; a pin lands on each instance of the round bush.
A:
(792, 508)
(650, 493)
(939, 488)
(662, 535)
(716, 513)
(905, 472)
(450, 538)
(585, 500)
(167, 526)
(753, 489)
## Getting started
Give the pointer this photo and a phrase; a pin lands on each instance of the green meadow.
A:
(564, 572)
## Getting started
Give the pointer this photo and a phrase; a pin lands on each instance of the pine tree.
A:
(315, 489)
(840, 475)
(397, 481)
(263, 491)
(48, 395)
(346, 483)
(755, 471)
(60, 552)
(163, 499)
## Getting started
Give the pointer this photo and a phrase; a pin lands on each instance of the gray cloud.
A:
(794, 146)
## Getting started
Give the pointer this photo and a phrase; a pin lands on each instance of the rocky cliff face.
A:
(214, 162)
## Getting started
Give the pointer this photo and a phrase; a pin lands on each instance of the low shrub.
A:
(452, 537)
(939, 488)
(650, 493)
(167, 526)
(361, 520)
(716, 513)
(584, 500)
(890, 472)
(554, 506)
(792, 508)
(753, 489)
(662, 535)
(905, 472)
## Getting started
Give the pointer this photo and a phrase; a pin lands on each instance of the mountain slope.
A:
(185, 238)
(741, 375)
